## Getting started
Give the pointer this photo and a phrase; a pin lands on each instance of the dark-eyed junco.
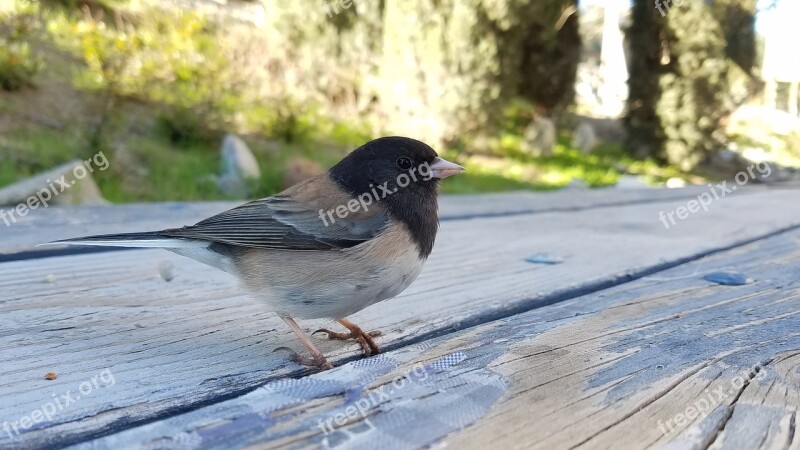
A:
(327, 247)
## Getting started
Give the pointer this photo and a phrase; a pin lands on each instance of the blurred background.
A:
(215, 99)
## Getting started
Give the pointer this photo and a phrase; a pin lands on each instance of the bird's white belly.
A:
(333, 284)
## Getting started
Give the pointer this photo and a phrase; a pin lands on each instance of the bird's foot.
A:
(332, 335)
(368, 345)
(317, 361)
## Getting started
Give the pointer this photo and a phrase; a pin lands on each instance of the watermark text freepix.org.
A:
(716, 192)
(376, 194)
(665, 6)
(705, 404)
(361, 407)
(59, 403)
(54, 188)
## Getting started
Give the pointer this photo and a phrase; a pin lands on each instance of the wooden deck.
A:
(560, 320)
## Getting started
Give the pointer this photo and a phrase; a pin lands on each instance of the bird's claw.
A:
(368, 345)
(332, 335)
(317, 361)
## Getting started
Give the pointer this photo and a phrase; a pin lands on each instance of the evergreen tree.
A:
(468, 59)
(686, 76)
(645, 36)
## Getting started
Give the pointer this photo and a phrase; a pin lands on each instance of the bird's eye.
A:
(404, 163)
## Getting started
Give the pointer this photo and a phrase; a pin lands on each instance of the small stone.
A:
(584, 137)
(68, 184)
(50, 278)
(540, 137)
(239, 167)
(50, 376)
(544, 258)
(728, 278)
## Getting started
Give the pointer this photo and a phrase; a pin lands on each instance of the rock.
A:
(584, 138)
(540, 137)
(239, 167)
(298, 170)
(68, 184)
(606, 130)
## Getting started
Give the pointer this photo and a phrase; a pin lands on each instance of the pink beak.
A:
(442, 168)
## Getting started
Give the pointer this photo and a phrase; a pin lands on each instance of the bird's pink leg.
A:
(316, 359)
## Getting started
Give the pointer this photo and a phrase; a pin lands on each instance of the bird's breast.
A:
(332, 284)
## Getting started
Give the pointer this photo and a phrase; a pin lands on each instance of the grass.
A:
(514, 170)
(149, 167)
(153, 170)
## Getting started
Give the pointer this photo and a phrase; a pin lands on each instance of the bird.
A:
(326, 247)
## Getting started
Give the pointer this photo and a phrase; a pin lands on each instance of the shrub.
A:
(18, 66)
(689, 71)
(169, 58)
(18, 63)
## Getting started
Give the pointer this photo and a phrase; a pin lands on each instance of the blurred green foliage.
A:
(469, 60)
(738, 21)
(171, 59)
(693, 89)
(157, 87)
(646, 34)
(19, 65)
(689, 71)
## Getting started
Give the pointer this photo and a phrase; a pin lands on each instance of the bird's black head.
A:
(400, 174)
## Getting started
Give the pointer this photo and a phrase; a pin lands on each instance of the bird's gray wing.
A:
(291, 221)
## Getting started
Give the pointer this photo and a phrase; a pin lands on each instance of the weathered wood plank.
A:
(56, 222)
(669, 361)
(174, 345)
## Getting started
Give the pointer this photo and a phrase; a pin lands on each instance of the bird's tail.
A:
(140, 240)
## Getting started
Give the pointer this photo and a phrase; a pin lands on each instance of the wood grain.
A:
(672, 361)
(175, 345)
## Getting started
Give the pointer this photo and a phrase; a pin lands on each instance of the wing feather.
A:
(291, 221)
